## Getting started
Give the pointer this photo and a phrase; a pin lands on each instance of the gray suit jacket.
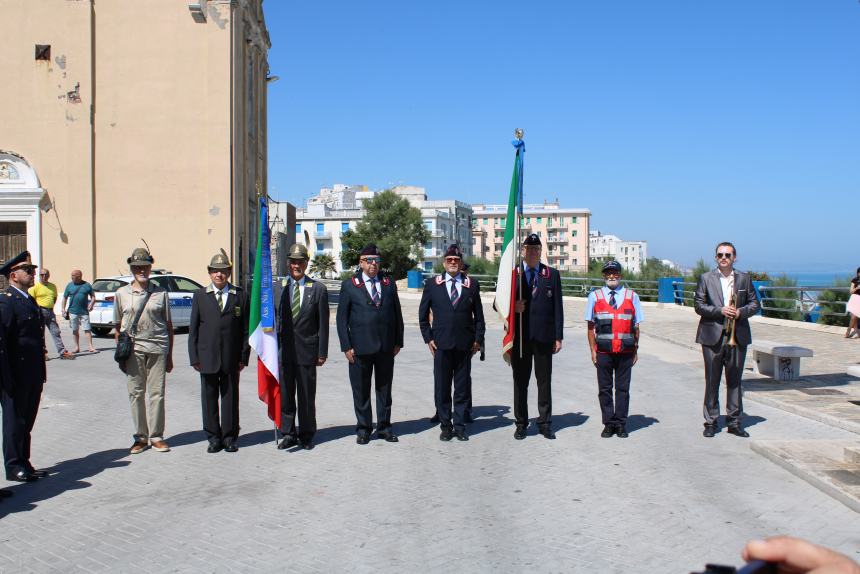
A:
(306, 339)
(709, 304)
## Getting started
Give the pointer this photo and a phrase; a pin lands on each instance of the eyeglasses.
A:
(452, 260)
(725, 255)
(372, 260)
(43, 274)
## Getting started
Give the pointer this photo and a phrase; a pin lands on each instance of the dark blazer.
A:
(361, 326)
(545, 310)
(453, 327)
(709, 303)
(25, 337)
(301, 343)
(218, 340)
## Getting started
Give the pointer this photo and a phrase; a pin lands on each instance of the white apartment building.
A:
(339, 208)
(631, 254)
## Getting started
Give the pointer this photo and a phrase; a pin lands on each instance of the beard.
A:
(612, 283)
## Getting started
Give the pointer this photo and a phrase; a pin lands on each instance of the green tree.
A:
(395, 227)
(834, 302)
(784, 304)
(323, 265)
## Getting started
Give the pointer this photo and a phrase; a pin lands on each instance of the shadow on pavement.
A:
(804, 382)
(489, 417)
(639, 422)
(189, 437)
(561, 422)
(67, 475)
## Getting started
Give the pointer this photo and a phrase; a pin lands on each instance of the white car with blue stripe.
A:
(180, 290)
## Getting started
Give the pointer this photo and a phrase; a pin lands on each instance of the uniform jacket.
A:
(218, 340)
(301, 343)
(544, 312)
(362, 326)
(25, 338)
(709, 304)
(453, 327)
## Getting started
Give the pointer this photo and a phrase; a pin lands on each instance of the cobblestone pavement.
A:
(665, 500)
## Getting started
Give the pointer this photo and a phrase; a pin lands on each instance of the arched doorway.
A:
(20, 194)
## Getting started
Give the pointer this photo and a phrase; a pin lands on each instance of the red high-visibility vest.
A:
(613, 328)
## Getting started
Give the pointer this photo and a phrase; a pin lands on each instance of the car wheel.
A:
(101, 331)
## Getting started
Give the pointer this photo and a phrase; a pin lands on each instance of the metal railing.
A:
(582, 286)
(804, 299)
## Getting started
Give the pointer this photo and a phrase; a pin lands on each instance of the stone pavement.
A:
(665, 500)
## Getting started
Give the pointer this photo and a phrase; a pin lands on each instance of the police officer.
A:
(613, 313)
(540, 309)
(23, 367)
(456, 334)
(370, 329)
(218, 349)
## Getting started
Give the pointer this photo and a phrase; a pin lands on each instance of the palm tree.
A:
(323, 265)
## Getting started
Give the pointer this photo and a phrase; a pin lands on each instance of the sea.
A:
(814, 279)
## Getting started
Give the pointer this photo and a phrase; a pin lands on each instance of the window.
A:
(539, 220)
(428, 223)
(528, 220)
(561, 221)
(298, 228)
(43, 52)
(110, 285)
(573, 220)
(575, 262)
(320, 228)
(573, 247)
(428, 245)
(320, 247)
(549, 221)
(474, 222)
(573, 233)
(428, 266)
(344, 227)
(503, 221)
(163, 282)
(185, 285)
(485, 221)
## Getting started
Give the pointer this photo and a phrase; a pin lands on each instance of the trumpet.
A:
(730, 323)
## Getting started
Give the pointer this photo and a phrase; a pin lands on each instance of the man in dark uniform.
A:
(23, 367)
(303, 340)
(218, 349)
(456, 334)
(539, 306)
(370, 329)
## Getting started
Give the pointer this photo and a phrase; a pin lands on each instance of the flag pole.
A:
(518, 134)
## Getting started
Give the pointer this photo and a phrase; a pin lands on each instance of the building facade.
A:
(132, 120)
(339, 208)
(563, 232)
(631, 254)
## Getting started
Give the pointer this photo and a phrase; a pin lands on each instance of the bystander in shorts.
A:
(80, 322)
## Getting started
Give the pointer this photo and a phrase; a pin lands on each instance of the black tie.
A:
(612, 300)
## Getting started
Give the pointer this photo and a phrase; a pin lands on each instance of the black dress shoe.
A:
(309, 445)
(288, 442)
(446, 435)
(547, 433)
(387, 436)
(20, 476)
(608, 431)
(38, 473)
(520, 433)
(362, 439)
(709, 432)
(739, 431)
(621, 432)
(461, 435)
(231, 447)
(216, 447)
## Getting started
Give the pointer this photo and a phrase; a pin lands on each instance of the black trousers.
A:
(613, 369)
(541, 355)
(20, 407)
(360, 378)
(452, 365)
(299, 382)
(226, 387)
(718, 358)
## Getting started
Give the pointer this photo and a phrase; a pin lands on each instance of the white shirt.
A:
(458, 282)
(367, 285)
(728, 284)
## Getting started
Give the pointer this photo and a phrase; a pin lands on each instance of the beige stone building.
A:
(127, 119)
(563, 232)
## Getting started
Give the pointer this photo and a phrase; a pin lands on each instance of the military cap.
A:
(220, 261)
(140, 256)
(298, 251)
(370, 249)
(453, 251)
(532, 239)
(611, 266)
(20, 261)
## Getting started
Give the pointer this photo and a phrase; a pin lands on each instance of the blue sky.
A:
(683, 123)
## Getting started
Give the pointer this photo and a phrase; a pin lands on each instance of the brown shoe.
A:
(66, 355)
(138, 447)
(160, 446)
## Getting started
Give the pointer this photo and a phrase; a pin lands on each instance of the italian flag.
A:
(263, 338)
(506, 281)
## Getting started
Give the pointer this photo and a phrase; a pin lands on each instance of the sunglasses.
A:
(372, 260)
(725, 255)
(452, 260)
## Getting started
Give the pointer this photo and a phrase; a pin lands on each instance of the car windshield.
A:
(109, 285)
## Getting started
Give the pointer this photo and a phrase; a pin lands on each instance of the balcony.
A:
(556, 255)
(558, 226)
(556, 239)
(323, 235)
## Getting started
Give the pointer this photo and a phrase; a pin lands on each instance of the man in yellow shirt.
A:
(45, 294)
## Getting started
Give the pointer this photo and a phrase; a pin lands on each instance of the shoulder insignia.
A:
(309, 284)
(467, 282)
(357, 281)
(544, 271)
(231, 291)
(210, 288)
(386, 281)
(440, 280)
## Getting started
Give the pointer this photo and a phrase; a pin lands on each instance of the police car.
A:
(179, 289)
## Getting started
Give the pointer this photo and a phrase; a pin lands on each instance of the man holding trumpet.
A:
(725, 300)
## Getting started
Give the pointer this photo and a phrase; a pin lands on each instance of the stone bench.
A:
(778, 360)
